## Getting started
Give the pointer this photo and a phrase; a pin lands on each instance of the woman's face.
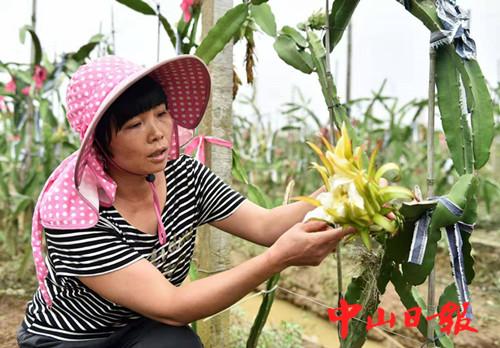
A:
(140, 136)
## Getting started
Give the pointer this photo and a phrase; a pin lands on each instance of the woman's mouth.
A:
(158, 156)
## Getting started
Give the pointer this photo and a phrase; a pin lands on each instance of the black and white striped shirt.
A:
(195, 196)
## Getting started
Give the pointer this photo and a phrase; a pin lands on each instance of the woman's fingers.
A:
(347, 230)
(315, 225)
(335, 234)
(391, 216)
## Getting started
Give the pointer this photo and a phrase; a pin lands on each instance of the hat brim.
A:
(185, 79)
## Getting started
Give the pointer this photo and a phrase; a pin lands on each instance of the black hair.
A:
(142, 96)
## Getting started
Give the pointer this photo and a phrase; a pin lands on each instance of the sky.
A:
(388, 43)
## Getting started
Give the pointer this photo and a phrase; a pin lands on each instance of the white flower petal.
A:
(355, 197)
(339, 180)
(326, 199)
(318, 214)
(340, 209)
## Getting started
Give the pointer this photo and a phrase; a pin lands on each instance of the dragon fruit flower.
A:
(354, 196)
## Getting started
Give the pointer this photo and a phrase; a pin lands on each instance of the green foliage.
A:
(286, 334)
(36, 138)
(480, 104)
(340, 16)
(263, 313)
(357, 328)
(142, 7)
(139, 6)
(460, 194)
(35, 40)
(264, 17)
(288, 51)
(478, 99)
(222, 32)
(450, 105)
(258, 2)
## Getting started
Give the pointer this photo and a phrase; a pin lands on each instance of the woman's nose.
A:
(155, 131)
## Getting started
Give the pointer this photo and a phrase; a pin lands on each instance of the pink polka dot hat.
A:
(72, 194)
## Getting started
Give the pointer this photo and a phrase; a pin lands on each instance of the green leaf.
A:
(386, 269)
(139, 6)
(417, 274)
(46, 113)
(469, 217)
(4, 188)
(490, 190)
(258, 197)
(406, 294)
(444, 340)
(365, 237)
(182, 27)
(479, 100)
(97, 38)
(395, 192)
(264, 17)
(287, 50)
(238, 171)
(391, 168)
(449, 295)
(31, 181)
(258, 2)
(263, 313)
(398, 246)
(414, 210)
(385, 223)
(449, 102)
(22, 203)
(425, 10)
(339, 18)
(362, 291)
(36, 42)
(459, 194)
(84, 51)
(295, 35)
(420, 301)
(222, 32)
(168, 29)
(481, 105)
(26, 261)
(144, 8)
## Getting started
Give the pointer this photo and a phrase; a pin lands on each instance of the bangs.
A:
(142, 96)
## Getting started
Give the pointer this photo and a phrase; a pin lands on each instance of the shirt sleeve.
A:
(215, 199)
(88, 252)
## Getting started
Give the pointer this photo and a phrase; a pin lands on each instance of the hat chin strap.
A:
(150, 178)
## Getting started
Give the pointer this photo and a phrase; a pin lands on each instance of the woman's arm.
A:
(143, 289)
(264, 226)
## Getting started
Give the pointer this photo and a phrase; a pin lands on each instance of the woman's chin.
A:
(155, 166)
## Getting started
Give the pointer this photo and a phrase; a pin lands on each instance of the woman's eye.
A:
(162, 114)
(134, 125)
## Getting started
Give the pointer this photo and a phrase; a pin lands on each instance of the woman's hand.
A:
(306, 244)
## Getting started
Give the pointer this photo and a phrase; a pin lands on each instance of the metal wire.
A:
(313, 300)
(357, 319)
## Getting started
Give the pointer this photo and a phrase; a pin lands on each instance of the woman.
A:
(120, 217)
